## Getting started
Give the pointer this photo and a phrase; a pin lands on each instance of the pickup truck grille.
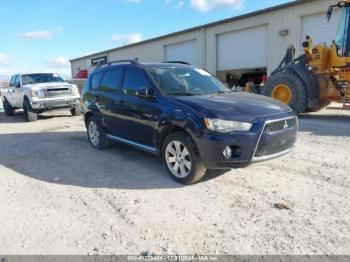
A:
(58, 91)
(277, 137)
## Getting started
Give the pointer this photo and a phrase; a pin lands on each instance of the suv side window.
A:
(96, 80)
(111, 80)
(134, 80)
(13, 81)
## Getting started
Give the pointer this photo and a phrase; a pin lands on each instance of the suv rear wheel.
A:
(181, 159)
(96, 134)
(9, 110)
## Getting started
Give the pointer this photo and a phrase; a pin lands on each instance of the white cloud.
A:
(207, 5)
(5, 74)
(59, 62)
(125, 39)
(4, 59)
(41, 35)
(179, 5)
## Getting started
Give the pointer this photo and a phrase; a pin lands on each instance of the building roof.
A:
(231, 19)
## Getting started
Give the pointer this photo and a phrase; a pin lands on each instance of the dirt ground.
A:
(60, 196)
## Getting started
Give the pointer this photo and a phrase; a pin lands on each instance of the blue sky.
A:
(38, 35)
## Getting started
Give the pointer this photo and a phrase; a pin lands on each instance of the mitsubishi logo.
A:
(285, 125)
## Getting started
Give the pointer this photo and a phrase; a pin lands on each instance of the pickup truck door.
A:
(18, 92)
(13, 91)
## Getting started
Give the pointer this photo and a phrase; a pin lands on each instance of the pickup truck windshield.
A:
(186, 81)
(40, 78)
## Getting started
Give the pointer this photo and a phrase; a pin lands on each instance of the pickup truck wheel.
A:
(9, 110)
(31, 116)
(76, 111)
(181, 159)
(96, 134)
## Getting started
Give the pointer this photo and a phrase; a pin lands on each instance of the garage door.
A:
(319, 29)
(243, 49)
(185, 51)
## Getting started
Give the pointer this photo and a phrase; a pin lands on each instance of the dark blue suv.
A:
(185, 115)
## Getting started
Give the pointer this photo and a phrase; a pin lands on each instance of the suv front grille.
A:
(277, 137)
(280, 125)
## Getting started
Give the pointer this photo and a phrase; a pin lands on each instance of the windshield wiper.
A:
(182, 94)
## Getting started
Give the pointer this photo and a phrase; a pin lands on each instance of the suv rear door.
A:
(106, 97)
(137, 116)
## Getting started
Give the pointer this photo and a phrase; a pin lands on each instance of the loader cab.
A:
(343, 35)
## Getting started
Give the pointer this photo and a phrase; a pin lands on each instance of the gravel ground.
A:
(60, 196)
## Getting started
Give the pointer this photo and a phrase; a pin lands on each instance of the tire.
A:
(9, 110)
(96, 133)
(317, 109)
(31, 116)
(313, 110)
(76, 111)
(298, 101)
(181, 159)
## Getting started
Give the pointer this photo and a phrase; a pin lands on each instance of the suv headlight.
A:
(40, 93)
(225, 126)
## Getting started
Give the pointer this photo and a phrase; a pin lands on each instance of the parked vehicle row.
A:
(174, 110)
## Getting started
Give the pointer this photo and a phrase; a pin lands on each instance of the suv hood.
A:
(237, 106)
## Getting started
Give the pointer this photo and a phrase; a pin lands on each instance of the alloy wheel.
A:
(94, 134)
(178, 159)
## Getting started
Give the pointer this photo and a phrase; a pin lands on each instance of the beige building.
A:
(250, 43)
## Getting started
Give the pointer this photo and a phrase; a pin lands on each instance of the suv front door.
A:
(137, 116)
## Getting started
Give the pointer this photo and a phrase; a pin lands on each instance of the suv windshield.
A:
(186, 81)
(40, 78)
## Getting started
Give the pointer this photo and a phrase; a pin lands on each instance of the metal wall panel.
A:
(243, 49)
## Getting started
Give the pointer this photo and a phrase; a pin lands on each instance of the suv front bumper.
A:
(247, 147)
(46, 104)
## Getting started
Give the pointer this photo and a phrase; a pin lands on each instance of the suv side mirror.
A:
(145, 93)
(18, 85)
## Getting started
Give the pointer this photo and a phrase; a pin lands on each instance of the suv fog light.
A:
(227, 152)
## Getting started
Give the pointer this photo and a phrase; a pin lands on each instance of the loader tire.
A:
(288, 88)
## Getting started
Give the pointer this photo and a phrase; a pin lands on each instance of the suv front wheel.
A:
(181, 159)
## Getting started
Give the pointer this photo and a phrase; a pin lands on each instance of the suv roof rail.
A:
(177, 62)
(134, 62)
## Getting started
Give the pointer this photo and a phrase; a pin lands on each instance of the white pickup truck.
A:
(40, 92)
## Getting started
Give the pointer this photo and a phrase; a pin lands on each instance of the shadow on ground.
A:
(325, 124)
(68, 157)
(19, 117)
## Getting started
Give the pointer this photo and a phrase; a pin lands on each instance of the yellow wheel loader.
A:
(318, 77)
